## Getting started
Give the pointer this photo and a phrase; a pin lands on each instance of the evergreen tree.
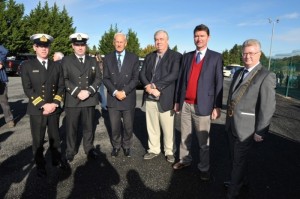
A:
(12, 30)
(175, 48)
(106, 42)
(132, 42)
(53, 22)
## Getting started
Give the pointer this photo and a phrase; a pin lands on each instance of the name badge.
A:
(35, 71)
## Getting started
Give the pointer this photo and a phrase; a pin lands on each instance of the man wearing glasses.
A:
(251, 105)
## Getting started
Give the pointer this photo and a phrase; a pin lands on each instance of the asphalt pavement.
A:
(274, 165)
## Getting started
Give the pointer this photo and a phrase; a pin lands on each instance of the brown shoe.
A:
(180, 165)
(11, 124)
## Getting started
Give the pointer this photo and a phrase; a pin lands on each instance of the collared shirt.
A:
(249, 70)
(203, 52)
(83, 57)
(122, 56)
(41, 61)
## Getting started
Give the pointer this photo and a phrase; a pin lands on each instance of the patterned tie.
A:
(44, 64)
(119, 62)
(198, 57)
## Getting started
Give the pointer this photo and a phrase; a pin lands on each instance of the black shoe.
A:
(226, 184)
(92, 154)
(115, 152)
(62, 164)
(205, 175)
(41, 171)
(127, 152)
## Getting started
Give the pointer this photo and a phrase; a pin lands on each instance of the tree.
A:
(12, 30)
(132, 42)
(147, 50)
(53, 22)
(175, 48)
(106, 42)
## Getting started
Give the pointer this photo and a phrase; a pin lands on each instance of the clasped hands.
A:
(152, 91)
(49, 108)
(120, 95)
(83, 95)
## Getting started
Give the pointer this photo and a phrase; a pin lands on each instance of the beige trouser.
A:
(201, 124)
(156, 119)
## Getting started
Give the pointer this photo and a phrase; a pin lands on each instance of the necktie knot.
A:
(81, 60)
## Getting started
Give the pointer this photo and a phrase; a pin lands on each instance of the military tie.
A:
(44, 64)
(81, 60)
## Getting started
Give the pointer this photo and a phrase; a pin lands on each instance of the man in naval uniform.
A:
(82, 80)
(43, 84)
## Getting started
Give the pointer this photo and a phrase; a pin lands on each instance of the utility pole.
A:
(273, 23)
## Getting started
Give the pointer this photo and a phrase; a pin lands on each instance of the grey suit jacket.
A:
(253, 113)
(126, 79)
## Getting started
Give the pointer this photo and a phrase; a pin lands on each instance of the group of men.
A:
(190, 85)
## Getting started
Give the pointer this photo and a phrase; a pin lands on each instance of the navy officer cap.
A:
(79, 38)
(41, 39)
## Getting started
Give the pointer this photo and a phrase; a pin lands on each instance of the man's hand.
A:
(258, 138)
(49, 108)
(120, 95)
(1, 65)
(83, 95)
(176, 108)
(216, 113)
(155, 92)
(148, 88)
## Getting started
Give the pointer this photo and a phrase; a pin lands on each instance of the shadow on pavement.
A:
(95, 179)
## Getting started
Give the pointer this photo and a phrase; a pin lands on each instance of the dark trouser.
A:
(4, 102)
(38, 125)
(239, 154)
(119, 137)
(76, 116)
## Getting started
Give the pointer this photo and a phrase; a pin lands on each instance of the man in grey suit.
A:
(251, 105)
(82, 78)
(159, 75)
(120, 78)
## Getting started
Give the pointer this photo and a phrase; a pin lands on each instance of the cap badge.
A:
(79, 38)
(43, 39)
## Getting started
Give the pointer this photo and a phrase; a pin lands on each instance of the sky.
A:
(230, 22)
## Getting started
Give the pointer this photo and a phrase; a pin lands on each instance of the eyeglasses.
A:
(251, 54)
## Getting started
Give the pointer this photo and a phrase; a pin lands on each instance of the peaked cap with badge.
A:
(41, 39)
(79, 38)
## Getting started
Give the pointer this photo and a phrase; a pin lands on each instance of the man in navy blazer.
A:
(159, 75)
(199, 97)
(120, 77)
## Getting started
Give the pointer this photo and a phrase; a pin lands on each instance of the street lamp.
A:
(273, 23)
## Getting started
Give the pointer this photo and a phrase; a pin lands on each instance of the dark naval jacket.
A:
(79, 77)
(42, 85)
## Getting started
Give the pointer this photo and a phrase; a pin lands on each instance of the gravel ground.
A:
(274, 165)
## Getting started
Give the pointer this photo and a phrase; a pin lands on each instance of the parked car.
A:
(228, 71)
(141, 63)
(12, 65)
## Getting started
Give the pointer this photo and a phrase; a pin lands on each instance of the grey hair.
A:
(161, 31)
(60, 54)
(251, 42)
(120, 33)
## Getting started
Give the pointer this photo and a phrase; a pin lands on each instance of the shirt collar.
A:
(203, 52)
(250, 69)
(41, 60)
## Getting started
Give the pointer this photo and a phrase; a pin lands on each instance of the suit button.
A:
(79, 77)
